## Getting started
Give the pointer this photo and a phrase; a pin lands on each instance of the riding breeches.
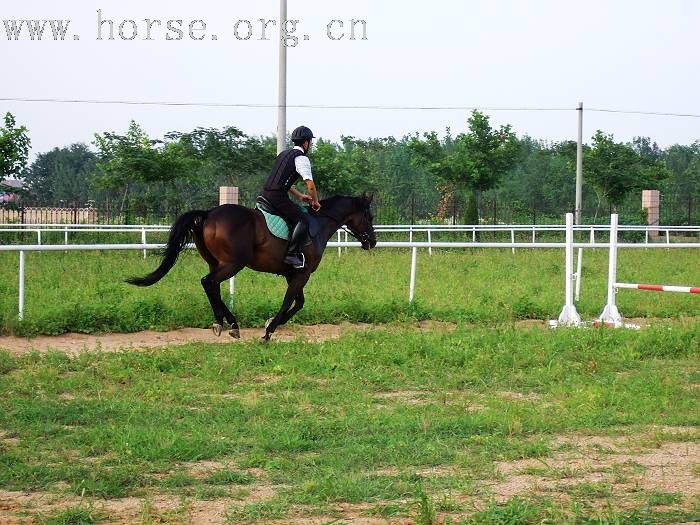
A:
(290, 212)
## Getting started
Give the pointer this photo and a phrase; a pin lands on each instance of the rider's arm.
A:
(314, 196)
(303, 166)
(299, 195)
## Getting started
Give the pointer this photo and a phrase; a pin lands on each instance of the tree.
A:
(14, 149)
(226, 157)
(125, 160)
(683, 163)
(614, 169)
(471, 162)
(62, 174)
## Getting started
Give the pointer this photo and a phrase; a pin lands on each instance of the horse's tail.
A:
(183, 229)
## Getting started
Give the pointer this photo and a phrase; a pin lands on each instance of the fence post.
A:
(610, 314)
(430, 248)
(340, 250)
(569, 316)
(21, 285)
(512, 239)
(412, 286)
(143, 240)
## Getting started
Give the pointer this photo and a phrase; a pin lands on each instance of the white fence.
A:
(568, 316)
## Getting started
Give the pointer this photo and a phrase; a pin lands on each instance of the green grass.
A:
(360, 420)
(85, 292)
(79, 515)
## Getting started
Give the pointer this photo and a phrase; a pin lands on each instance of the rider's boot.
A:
(294, 256)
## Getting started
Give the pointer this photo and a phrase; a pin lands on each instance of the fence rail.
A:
(568, 244)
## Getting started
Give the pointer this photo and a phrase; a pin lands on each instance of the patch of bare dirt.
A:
(75, 343)
(519, 396)
(622, 462)
(406, 397)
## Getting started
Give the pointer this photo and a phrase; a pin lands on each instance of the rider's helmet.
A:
(302, 133)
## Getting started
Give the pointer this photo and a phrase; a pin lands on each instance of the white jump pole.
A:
(21, 286)
(569, 316)
(230, 291)
(610, 314)
(412, 286)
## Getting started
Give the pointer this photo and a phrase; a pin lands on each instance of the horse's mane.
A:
(331, 201)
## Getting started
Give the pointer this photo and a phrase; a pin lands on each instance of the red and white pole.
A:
(659, 287)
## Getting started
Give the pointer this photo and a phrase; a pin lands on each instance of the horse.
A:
(232, 237)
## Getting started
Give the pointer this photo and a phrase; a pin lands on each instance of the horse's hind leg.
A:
(212, 287)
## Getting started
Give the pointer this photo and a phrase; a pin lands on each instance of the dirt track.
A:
(75, 343)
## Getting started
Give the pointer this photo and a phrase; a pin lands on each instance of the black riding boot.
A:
(294, 256)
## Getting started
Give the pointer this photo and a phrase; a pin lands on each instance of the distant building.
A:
(8, 196)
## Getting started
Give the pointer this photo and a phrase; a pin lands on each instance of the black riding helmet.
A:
(302, 133)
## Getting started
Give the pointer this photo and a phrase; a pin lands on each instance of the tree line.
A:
(422, 176)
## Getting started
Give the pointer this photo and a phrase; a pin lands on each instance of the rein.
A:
(363, 237)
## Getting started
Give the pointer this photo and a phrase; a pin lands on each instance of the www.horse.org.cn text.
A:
(153, 29)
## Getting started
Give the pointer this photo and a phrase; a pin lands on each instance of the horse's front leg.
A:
(298, 305)
(295, 289)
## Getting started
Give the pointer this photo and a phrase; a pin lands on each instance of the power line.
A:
(348, 107)
(652, 113)
(274, 106)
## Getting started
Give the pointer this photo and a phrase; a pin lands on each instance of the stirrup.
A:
(295, 263)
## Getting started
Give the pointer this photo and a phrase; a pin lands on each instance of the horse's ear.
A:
(370, 198)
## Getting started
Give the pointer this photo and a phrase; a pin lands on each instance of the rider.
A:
(289, 166)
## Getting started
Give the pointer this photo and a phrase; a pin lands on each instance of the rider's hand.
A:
(315, 205)
(307, 198)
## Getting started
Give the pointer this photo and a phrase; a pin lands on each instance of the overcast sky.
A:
(622, 54)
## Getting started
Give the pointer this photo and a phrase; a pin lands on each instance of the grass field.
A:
(473, 421)
(475, 425)
(85, 292)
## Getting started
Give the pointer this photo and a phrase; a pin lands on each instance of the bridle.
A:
(363, 237)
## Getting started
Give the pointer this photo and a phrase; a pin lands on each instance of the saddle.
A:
(278, 225)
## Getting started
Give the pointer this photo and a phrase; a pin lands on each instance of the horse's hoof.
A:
(216, 328)
(235, 333)
(265, 339)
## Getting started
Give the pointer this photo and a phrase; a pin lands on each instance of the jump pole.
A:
(610, 314)
(412, 284)
(659, 287)
(569, 316)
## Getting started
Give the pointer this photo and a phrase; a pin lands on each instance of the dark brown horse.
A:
(232, 237)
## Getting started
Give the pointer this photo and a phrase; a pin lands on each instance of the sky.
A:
(623, 55)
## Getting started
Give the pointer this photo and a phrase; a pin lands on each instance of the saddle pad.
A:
(276, 224)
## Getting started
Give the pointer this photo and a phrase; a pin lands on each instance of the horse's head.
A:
(360, 221)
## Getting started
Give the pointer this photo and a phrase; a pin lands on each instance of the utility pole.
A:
(579, 164)
(282, 79)
(579, 183)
